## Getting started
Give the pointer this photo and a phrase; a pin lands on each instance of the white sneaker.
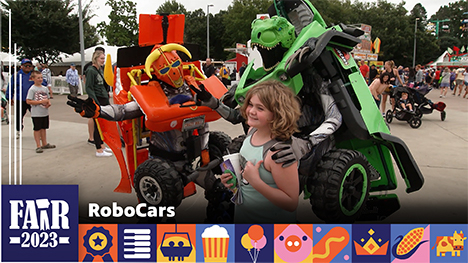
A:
(107, 149)
(103, 154)
(17, 135)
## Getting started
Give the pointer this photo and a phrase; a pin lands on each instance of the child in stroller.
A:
(405, 104)
(403, 110)
(424, 105)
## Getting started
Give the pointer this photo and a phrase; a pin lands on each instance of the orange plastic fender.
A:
(110, 135)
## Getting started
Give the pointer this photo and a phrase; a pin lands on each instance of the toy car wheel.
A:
(415, 122)
(389, 116)
(418, 113)
(158, 183)
(236, 144)
(218, 144)
(443, 114)
(340, 186)
(220, 209)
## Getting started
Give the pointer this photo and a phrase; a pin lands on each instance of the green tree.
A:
(171, 7)
(195, 30)
(455, 35)
(91, 38)
(122, 29)
(42, 29)
(239, 17)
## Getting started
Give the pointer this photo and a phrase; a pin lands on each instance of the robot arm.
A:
(333, 118)
(293, 150)
(120, 112)
(204, 98)
(229, 114)
(116, 112)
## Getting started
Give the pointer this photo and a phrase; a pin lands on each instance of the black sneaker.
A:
(91, 142)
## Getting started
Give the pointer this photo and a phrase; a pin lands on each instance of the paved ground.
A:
(439, 148)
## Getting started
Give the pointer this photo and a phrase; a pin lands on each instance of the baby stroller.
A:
(3, 109)
(424, 105)
(399, 112)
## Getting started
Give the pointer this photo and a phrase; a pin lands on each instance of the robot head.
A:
(166, 64)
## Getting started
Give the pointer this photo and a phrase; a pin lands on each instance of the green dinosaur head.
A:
(272, 37)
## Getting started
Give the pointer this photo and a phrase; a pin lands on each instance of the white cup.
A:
(235, 161)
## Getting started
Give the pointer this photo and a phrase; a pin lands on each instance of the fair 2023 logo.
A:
(40, 222)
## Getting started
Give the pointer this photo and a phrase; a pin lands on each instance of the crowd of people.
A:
(381, 80)
(225, 74)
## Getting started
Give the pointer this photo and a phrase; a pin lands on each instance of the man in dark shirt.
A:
(372, 73)
(208, 68)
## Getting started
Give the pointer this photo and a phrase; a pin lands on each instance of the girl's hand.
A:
(251, 172)
(224, 178)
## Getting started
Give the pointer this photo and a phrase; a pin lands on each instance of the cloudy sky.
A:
(150, 6)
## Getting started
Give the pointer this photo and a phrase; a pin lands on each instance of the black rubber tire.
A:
(415, 122)
(218, 144)
(418, 113)
(158, 183)
(443, 115)
(335, 198)
(220, 209)
(389, 116)
(236, 144)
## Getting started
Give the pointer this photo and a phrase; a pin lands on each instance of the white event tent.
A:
(5, 58)
(76, 57)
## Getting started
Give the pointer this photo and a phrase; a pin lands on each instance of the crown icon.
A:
(371, 247)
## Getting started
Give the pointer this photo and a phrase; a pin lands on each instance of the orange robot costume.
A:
(178, 130)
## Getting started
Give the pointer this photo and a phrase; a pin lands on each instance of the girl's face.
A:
(101, 59)
(385, 78)
(387, 65)
(258, 116)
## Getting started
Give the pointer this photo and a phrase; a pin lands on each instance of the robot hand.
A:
(204, 98)
(291, 151)
(86, 108)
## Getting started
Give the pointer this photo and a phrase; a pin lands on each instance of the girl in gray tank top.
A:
(270, 192)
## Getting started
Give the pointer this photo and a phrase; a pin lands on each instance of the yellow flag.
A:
(377, 45)
(108, 74)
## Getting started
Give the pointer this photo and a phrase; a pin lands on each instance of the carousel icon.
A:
(176, 245)
(97, 242)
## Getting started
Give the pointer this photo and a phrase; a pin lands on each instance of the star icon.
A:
(98, 241)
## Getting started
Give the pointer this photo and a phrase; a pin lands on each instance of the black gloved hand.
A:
(290, 151)
(86, 108)
(204, 98)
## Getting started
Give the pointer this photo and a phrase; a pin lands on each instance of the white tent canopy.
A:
(439, 59)
(5, 58)
(76, 57)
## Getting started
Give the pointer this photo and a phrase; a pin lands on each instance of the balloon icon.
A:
(246, 242)
(255, 232)
(259, 244)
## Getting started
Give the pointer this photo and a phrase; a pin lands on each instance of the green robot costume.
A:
(352, 148)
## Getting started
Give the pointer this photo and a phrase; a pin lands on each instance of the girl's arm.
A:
(395, 72)
(382, 87)
(286, 196)
(374, 88)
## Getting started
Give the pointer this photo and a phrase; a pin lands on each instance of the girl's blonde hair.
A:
(390, 63)
(96, 55)
(282, 102)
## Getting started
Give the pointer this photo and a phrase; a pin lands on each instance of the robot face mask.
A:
(168, 68)
(166, 64)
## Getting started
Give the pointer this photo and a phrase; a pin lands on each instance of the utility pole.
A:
(437, 25)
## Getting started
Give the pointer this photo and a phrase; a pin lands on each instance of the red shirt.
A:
(437, 74)
(364, 70)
